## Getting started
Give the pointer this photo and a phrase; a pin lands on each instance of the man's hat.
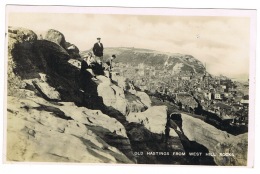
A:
(98, 38)
(114, 56)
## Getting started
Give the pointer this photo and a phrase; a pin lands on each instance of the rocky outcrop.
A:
(56, 114)
(112, 95)
(17, 34)
(72, 50)
(119, 80)
(41, 131)
(228, 149)
(117, 98)
(154, 119)
(58, 38)
(48, 92)
(145, 99)
(237, 146)
(27, 60)
(51, 127)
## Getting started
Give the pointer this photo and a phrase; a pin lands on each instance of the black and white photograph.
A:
(158, 86)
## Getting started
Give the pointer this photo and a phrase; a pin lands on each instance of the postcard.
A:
(130, 85)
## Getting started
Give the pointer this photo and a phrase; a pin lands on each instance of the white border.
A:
(147, 168)
(130, 10)
(166, 11)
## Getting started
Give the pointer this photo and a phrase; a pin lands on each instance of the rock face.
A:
(16, 36)
(119, 99)
(27, 60)
(237, 145)
(154, 119)
(58, 38)
(145, 99)
(20, 35)
(41, 131)
(72, 50)
(44, 88)
(112, 95)
(44, 123)
(229, 149)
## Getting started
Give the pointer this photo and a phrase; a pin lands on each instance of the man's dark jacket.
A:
(98, 50)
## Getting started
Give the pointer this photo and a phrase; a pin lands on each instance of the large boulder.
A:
(112, 95)
(116, 97)
(17, 36)
(56, 37)
(228, 149)
(134, 104)
(72, 50)
(21, 35)
(237, 146)
(154, 119)
(28, 58)
(47, 91)
(119, 80)
(145, 99)
(140, 134)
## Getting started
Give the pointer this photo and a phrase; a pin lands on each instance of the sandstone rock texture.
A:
(112, 95)
(145, 99)
(40, 131)
(119, 99)
(154, 118)
(18, 34)
(46, 90)
(237, 145)
(43, 122)
(216, 141)
(58, 38)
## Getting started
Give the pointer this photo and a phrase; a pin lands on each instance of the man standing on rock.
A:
(109, 65)
(98, 51)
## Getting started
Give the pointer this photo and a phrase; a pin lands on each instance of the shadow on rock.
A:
(42, 56)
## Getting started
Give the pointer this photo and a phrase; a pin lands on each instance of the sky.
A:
(222, 43)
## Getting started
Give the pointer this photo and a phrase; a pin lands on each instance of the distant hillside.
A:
(157, 59)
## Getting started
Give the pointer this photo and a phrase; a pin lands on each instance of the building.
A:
(185, 77)
(217, 96)
(208, 95)
(245, 101)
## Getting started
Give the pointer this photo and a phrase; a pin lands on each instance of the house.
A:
(217, 96)
(237, 107)
(224, 111)
(185, 77)
(223, 86)
(208, 95)
(226, 94)
(232, 91)
(245, 101)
